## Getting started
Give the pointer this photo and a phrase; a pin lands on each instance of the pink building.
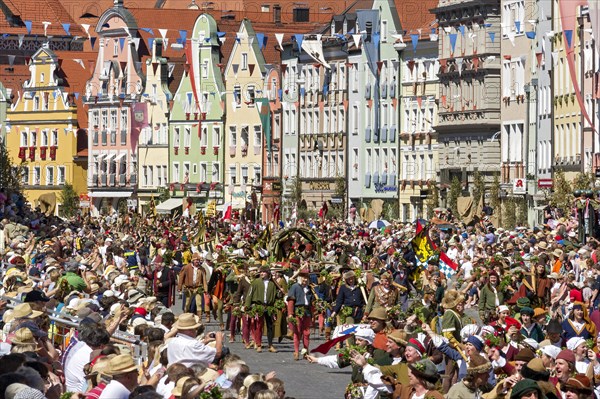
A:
(115, 113)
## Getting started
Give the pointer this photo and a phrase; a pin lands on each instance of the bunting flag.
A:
(190, 61)
(11, 60)
(415, 41)
(421, 244)
(453, 37)
(21, 37)
(183, 35)
(149, 30)
(235, 68)
(569, 37)
(150, 43)
(46, 24)
(260, 37)
(28, 24)
(93, 41)
(238, 38)
(67, 28)
(251, 68)
(356, 38)
(79, 61)
(475, 61)
(488, 25)
(492, 36)
(447, 265)
(420, 101)
(136, 42)
(518, 26)
(379, 65)
(530, 35)
(155, 67)
(228, 212)
(279, 38)
(539, 58)
(376, 37)
(461, 29)
(221, 34)
(121, 42)
(163, 33)
(76, 94)
(299, 38)
(411, 65)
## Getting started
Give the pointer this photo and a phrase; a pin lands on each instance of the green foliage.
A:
(521, 211)
(11, 173)
(69, 201)
(562, 195)
(164, 194)
(495, 202)
(584, 181)
(433, 199)
(296, 185)
(509, 216)
(391, 210)
(478, 187)
(454, 194)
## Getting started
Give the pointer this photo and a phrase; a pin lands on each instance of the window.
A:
(215, 172)
(203, 172)
(256, 175)
(176, 137)
(513, 78)
(115, 47)
(384, 30)
(244, 61)
(36, 103)
(113, 119)
(512, 140)
(25, 175)
(232, 136)
(244, 174)
(145, 175)
(44, 138)
(232, 175)
(124, 120)
(187, 136)
(251, 94)
(513, 17)
(237, 95)
(42, 76)
(36, 175)
(33, 139)
(49, 175)
(104, 119)
(23, 139)
(277, 14)
(257, 135)
(186, 172)
(301, 15)
(244, 136)
(205, 69)
(354, 164)
(54, 138)
(216, 136)
(176, 172)
(95, 118)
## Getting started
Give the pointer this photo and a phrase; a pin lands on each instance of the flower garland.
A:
(321, 306)
(346, 311)
(256, 311)
(355, 391)
(277, 306)
(345, 353)
(396, 313)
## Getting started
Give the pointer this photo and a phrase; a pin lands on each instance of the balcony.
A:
(123, 137)
(111, 180)
(94, 181)
(104, 137)
(132, 180)
(122, 180)
(103, 179)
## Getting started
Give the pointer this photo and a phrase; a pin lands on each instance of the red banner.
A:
(139, 120)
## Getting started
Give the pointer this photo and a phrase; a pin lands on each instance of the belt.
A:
(191, 288)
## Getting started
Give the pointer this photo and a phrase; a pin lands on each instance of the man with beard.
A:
(490, 297)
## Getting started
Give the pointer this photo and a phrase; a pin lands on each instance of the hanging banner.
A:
(121, 42)
(139, 121)
(299, 37)
(260, 37)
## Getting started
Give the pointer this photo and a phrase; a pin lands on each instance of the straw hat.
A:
(378, 314)
(557, 253)
(24, 311)
(451, 299)
(542, 245)
(121, 364)
(178, 390)
(23, 336)
(188, 321)
(398, 336)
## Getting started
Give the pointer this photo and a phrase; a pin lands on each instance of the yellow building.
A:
(43, 134)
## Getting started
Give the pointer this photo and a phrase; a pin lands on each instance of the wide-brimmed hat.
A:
(121, 364)
(580, 383)
(187, 321)
(557, 253)
(542, 245)
(398, 336)
(452, 298)
(425, 369)
(349, 274)
(24, 311)
(478, 365)
(178, 390)
(23, 336)
(134, 296)
(196, 256)
(539, 312)
(378, 314)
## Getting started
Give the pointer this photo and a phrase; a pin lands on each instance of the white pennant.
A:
(126, 29)
(279, 37)
(166, 42)
(21, 37)
(251, 40)
(555, 58)
(511, 37)
(319, 37)
(136, 42)
(356, 38)
(86, 28)
(163, 33)
(447, 29)
(79, 61)
(46, 23)
(222, 39)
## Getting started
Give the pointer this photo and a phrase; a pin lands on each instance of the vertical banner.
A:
(139, 120)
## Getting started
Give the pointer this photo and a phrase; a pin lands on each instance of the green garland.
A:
(277, 306)
(321, 306)
(256, 311)
(396, 313)
(354, 391)
(346, 311)
(345, 351)
(213, 393)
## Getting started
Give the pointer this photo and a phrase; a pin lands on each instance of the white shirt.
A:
(76, 359)
(115, 390)
(189, 351)
(468, 268)
(164, 389)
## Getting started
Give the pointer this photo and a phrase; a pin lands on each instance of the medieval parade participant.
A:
(193, 283)
(262, 294)
(300, 305)
(350, 299)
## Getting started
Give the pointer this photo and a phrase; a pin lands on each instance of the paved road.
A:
(302, 379)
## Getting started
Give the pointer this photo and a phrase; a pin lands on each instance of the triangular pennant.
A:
(28, 24)
(86, 28)
(530, 35)
(221, 34)
(411, 65)
(183, 35)
(569, 37)
(260, 37)
(76, 95)
(518, 26)
(279, 38)
(356, 38)
(67, 28)
(251, 68)
(235, 68)
(136, 42)
(46, 24)
(453, 37)
(379, 65)
(121, 42)
(415, 41)
(238, 38)
(123, 65)
(11, 60)
(149, 30)
(420, 101)
(376, 37)
(492, 36)
(155, 67)
(150, 43)
(21, 37)
(283, 68)
(539, 56)
(93, 41)
(126, 29)
(222, 39)
(54, 95)
(299, 38)
(475, 61)
(163, 33)
(461, 29)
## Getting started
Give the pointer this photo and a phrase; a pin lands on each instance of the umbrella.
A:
(379, 224)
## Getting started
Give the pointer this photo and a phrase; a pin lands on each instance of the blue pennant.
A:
(453, 37)
(67, 28)
(569, 37)
(492, 36)
(28, 26)
(299, 37)
(415, 41)
(462, 30)
(149, 30)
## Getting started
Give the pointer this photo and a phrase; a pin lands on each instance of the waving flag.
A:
(447, 265)
(421, 244)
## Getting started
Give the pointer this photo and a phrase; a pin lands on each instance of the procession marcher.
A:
(351, 298)
(261, 295)
(193, 283)
(300, 305)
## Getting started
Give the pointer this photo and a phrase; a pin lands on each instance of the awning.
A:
(168, 205)
(120, 156)
(115, 194)
(99, 157)
(109, 157)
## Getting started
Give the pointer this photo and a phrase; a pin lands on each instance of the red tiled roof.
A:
(416, 15)
(37, 11)
(75, 78)
(13, 77)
